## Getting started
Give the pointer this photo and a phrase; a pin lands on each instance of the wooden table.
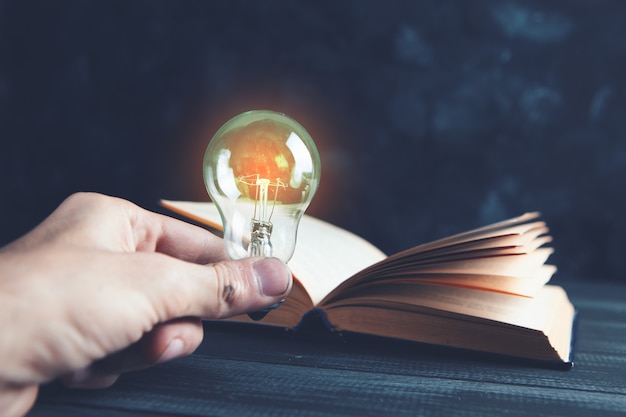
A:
(243, 372)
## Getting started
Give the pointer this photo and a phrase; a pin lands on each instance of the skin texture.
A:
(103, 286)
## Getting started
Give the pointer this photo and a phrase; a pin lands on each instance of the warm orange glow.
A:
(259, 150)
(321, 114)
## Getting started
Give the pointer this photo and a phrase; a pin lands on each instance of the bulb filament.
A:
(261, 225)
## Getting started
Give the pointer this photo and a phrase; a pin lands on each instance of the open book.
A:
(482, 290)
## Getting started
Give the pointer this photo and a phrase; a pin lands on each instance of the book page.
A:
(531, 313)
(507, 257)
(519, 265)
(533, 328)
(527, 287)
(325, 255)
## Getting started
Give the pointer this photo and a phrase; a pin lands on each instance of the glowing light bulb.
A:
(261, 169)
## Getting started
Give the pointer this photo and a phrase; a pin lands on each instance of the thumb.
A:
(226, 288)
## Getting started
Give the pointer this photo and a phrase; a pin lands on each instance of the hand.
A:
(103, 286)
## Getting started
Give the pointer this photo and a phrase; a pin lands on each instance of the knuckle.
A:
(95, 200)
(230, 288)
(84, 198)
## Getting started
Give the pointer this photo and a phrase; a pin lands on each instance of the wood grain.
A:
(243, 372)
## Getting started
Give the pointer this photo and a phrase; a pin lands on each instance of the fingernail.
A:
(174, 350)
(273, 276)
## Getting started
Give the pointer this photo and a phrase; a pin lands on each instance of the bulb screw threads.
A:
(260, 244)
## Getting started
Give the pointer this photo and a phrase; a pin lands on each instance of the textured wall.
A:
(431, 117)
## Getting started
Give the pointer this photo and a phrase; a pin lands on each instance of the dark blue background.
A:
(431, 117)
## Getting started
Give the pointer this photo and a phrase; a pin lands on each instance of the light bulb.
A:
(261, 169)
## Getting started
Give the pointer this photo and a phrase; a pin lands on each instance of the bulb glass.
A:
(261, 169)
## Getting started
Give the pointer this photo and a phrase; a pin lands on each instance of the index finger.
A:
(176, 238)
